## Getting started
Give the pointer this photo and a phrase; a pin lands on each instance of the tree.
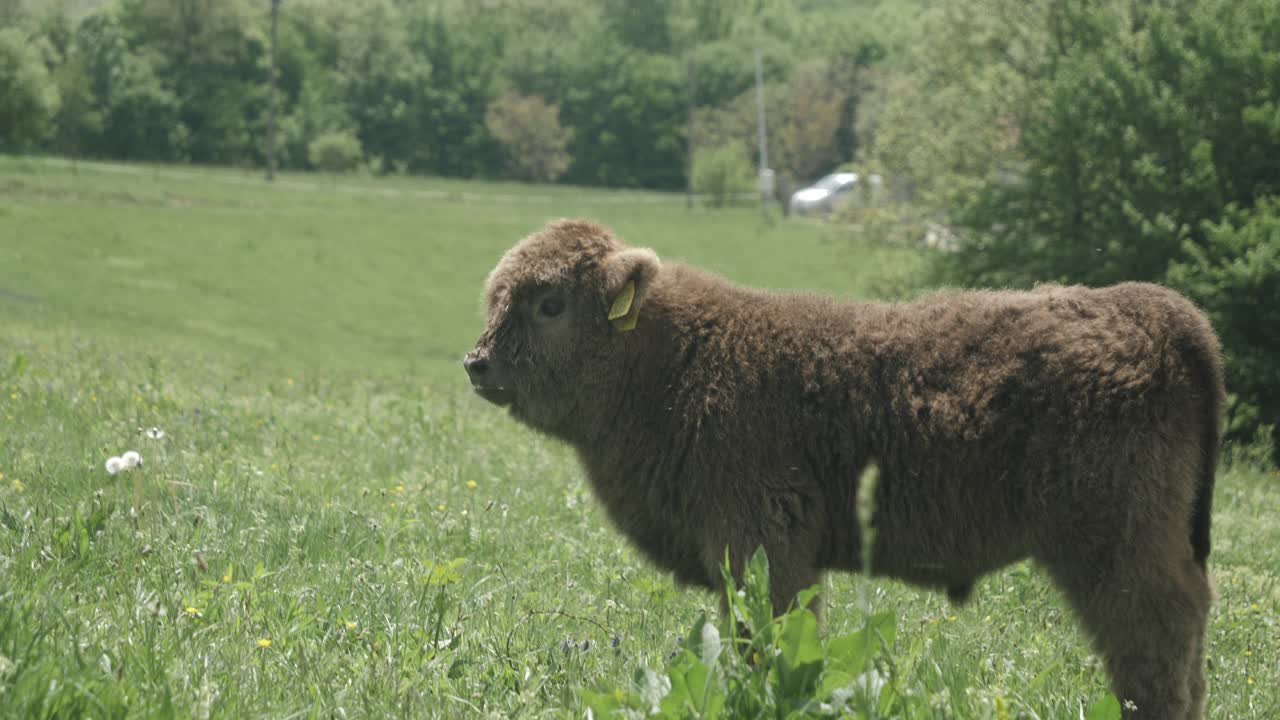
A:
(806, 114)
(952, 120)
(28, 99)
(1149, 124)
(1145, 144)
(213, 58)
(77, 125)
(530, 130)
(640, 24)
(812, 114)
(1235, 277)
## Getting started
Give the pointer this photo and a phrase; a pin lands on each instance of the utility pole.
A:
(271, 113)
(766, 175)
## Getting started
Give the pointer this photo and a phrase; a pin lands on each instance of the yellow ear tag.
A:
(622, 307)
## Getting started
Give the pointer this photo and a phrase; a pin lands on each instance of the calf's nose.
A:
(475, 366)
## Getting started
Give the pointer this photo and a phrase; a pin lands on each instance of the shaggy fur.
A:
(1074, 426)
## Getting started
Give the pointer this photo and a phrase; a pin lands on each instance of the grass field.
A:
(332, 526)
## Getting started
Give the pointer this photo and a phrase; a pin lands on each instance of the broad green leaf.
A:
(800, 662)
(1107, 708)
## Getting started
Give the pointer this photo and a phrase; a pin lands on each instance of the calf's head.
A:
(559, 306)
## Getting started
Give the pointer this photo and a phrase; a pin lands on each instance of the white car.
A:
(822, 197)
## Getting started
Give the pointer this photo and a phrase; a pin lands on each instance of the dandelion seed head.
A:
(131, 459)
(154, 433)
(114, 465)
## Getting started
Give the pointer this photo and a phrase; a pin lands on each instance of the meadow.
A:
(329, 524)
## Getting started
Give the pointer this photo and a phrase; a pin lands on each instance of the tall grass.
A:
(331, 525)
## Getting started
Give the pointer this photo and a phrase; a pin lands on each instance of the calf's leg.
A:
(1146, 616)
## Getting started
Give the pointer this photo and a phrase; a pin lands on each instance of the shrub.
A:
(1235, 277)
(336, 152)
(722, 172)
(529, 128)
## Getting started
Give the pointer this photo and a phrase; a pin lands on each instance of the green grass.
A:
(328, 483)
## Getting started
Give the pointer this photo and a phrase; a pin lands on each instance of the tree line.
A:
(596, 92)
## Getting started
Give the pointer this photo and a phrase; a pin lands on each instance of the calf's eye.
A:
(551, 306)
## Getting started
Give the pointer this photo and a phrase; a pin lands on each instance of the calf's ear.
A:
(628, 275)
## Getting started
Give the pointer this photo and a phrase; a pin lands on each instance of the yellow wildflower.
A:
(351, 624)
(440, 507)
(18, 485)
(226, 578)
(264, 642)
(472, 484)
(194, 612)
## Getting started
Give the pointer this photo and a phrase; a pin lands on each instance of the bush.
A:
(722, 172)
(336, 152)
(529, 128)
(1235, 277)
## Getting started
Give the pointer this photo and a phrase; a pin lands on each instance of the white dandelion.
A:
(131, 459)
(154, 433)
(114, 465)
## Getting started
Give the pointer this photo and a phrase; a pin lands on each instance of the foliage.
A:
(721, 173)
(1235, 276)
(529, 128)
(212, 56)
(164, 80)
(28, 100)
(951, 122)
(1086, 142)
(1151, 122)
(758, 665)
(810, 118)
(1143, 123)
(806, 134)
(336, 152)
